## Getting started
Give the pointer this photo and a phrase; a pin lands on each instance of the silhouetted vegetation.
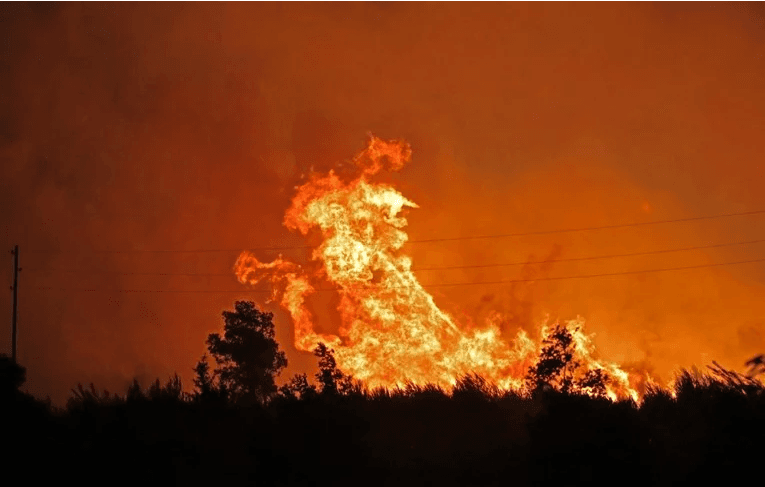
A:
(557, 368)
(247, 356)
(238, 428)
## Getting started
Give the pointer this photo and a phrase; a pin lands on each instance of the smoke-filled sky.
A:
(186, 126)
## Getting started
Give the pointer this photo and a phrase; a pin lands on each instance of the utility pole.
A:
(15, 288)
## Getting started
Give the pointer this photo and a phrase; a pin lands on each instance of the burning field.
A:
(392, 332)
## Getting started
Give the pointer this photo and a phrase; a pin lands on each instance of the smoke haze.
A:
(182, 126)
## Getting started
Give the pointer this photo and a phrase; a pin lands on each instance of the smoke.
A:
(187, 126)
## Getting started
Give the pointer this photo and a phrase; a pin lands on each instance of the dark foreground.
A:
(713, 432)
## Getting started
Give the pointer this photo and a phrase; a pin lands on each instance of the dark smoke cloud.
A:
(186, 126)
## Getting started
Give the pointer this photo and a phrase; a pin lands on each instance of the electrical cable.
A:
(430, 240)
(504, 281)
(419, 269)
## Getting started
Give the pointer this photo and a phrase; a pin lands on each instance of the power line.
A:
(120, 273)
(418, 269)
(171, 251)
(170, 291)
(419, 241)
(605, 274)
(504, 281)
(595, 257)
(584, 229)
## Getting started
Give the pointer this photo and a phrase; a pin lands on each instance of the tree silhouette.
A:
(332, 380)
(557, 367)
(593, 382)
(247, 355)
(12, 375)
(172, 391)
(205, 385)
(556, 362)
(298, 388)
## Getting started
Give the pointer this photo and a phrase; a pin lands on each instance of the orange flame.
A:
(392, 331)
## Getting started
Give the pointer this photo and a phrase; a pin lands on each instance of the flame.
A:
(392, 332)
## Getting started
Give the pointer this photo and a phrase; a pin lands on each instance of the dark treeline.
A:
(237, 427)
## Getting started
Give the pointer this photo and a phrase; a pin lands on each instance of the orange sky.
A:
(186, 126)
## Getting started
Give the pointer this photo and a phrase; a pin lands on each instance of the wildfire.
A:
(392, 332)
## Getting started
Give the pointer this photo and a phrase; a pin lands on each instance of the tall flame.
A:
(392, 331)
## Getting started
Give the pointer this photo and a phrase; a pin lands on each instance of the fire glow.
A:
(392, 332)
